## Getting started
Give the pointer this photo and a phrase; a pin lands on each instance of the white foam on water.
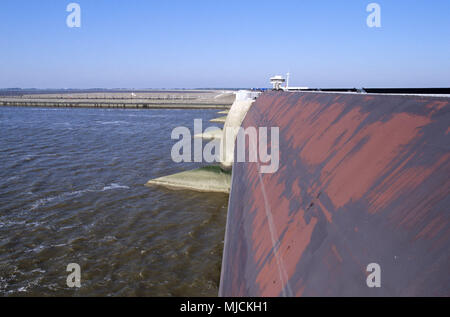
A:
(112, 122)
(38, 248)
(44, 201)
(114, 186)
(59, 245)
(29, 157)
(11, 223)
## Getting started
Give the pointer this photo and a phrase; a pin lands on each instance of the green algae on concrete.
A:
(205, 179)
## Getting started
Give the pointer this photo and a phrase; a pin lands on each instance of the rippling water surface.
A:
(72, 191)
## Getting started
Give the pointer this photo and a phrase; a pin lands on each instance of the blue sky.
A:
(190, 43)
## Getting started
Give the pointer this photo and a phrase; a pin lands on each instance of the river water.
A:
(72, 191)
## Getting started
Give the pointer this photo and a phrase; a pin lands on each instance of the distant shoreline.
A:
(111, 105)
(185, 99)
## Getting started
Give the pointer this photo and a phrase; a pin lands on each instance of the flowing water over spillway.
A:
(72, 191)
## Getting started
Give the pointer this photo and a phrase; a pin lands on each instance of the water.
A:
(72, 191)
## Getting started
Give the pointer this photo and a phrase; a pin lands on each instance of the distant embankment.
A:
(183, 99)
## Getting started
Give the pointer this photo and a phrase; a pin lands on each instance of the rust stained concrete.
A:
(363, 178)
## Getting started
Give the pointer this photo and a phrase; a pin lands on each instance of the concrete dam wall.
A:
(363, 185)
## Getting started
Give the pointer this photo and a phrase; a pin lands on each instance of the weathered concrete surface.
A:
(363, 179)
(211, 134)
(231, 127)
(219, 120)
(206, 179)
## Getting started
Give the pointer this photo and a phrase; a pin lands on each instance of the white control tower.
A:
(277, 81)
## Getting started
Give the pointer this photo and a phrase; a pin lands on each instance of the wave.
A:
(147, 115)
(11, 223)
(12, 178)
(114, 186)
(29, 157)
(77, 193)
(112, 122)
